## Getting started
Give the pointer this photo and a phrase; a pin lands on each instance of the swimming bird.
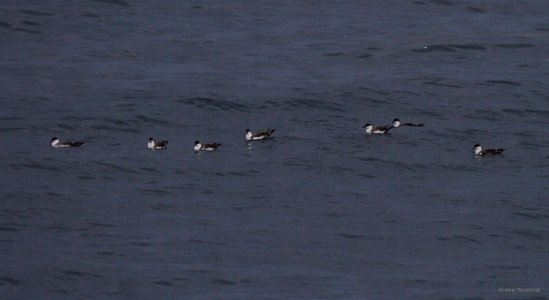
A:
(376, 129)
(480, 152)
(205, 147)
(258, 135)
(56, 143)
(397, 123)
(160, 145)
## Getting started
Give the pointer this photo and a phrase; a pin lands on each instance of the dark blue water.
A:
(320, 211)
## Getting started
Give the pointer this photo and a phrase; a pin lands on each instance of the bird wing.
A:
(213, 145)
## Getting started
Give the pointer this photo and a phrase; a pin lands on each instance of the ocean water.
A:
(320, 210)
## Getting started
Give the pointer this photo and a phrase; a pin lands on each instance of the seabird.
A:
(480, 152)
(205, 147)
(56, 143)
(376, 129)
(152, 145)
(258, 135)
(397, 123)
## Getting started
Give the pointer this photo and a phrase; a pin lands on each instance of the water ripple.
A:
(499, 82)
(513, 46)
(35, 13)
(215, 104)
(5, 280)
(115, 2)
(312, 104)
(448, 48)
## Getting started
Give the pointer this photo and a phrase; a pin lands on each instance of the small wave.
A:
(502, 267)
(150, 120)
(434, 48)
(538, 112)
(35, 13)
(89, 15)
(101, 224)
(516, 112)
(476, 9)
(107, 123)
(375, 91)
(535, 216)
(367, 159)
(536, 234)
(199, 241)
(31, 164)
(9, 229)
(101, 127)
(458, 238)
(482, 114)
(107, 253)
(336, 215)
(444, 2)
(351, 236)
(149, 170)
(5, 280)
(468, 47)
(448, 167)
(115, 2)
(59, 228)
(448, 48)
(79, 274)
(424, 112)
(436, 83)
(244, 174)
(513, 46)
(222, 281)
(312, 104)
(162, 206)
(215, 104)
(4, 24)
(141, 244)
(367, 55)
(427, 283)
(113, 168)
(30, 23)
(526, 112)
(60, 291)
(163, 283)
(65, 126)
(27, 30)
(499, 82)
(157, 192)
(11, 129)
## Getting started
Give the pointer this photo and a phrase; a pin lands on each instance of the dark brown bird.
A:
(160, 145)
(56, 143)
(205, 147)
(481, 152)
(250, 136)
